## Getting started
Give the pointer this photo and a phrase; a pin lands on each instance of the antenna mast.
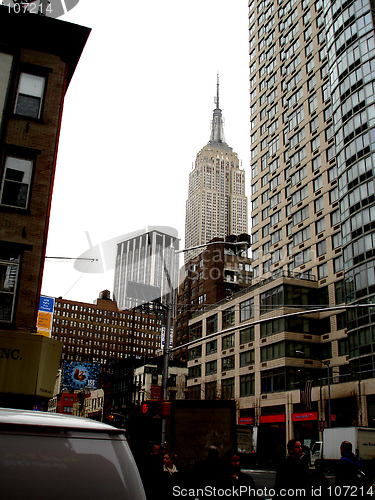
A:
(216, 99)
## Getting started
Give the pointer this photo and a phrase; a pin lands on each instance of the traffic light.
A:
(155, 408)
(151, 408)
(145, 408)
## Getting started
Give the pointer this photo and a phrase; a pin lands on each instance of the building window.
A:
(202, 298)
(195, 371)
(320, 225)
(318, 183)
(228, 317)
(313, 103)
(322, 271)
(316, 163)
(273, 380)
(321, 248)
(195, 331)
(228, 341)
(319, 204)
(247, 335)
(276, 236)
(211, 347)
(30, 95)
(211, 367)
(16, 182)
(211, 324)
(195, 352)
(272, 351)
(227, 388)
(9, 266)
(227, 363)
(247, 309)
(247, 358)
(247, 385)
(315, 143)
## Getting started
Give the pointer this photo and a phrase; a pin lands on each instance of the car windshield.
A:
(67, 465)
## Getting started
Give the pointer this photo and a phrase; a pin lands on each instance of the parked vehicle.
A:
(46, 455)
(327, 452)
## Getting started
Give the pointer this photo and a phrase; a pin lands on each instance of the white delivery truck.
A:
(327, 452)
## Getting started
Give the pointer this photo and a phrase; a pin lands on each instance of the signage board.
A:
(78, 375)
(45, 316)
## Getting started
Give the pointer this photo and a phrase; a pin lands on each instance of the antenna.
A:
(216, 99)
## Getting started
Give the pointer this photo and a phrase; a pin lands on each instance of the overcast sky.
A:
(137, 111)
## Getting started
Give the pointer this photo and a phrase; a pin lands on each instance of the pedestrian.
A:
(293, 471)
(170, 476)
(209, 471)
(233, 476)
(348, 471)
(151, 470)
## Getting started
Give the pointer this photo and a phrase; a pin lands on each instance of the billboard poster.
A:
(78, 375)
(45, 316)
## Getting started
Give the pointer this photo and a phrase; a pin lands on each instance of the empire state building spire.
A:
(217, 127)
(217, 205)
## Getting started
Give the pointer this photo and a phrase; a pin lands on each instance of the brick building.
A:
(63, 403)
(100, 332)
(36, 67)
(215, 274)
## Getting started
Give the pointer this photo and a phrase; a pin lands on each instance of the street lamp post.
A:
(326, 364)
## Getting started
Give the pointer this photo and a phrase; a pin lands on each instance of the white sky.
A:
(137, 112)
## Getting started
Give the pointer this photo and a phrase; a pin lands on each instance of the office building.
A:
(36, 67)
(146, 266)
(216, 206)
(311, 76)
(311, 81)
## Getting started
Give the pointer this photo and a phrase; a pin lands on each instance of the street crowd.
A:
(163, 478)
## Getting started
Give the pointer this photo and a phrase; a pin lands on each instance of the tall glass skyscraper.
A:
(312, 77)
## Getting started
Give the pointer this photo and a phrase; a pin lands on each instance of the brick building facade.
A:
(215, 274)
(36, 66)
(100, 332)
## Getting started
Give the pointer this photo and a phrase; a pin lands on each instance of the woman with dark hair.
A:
(170, 476)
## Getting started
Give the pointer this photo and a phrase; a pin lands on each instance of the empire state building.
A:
(216, 206)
